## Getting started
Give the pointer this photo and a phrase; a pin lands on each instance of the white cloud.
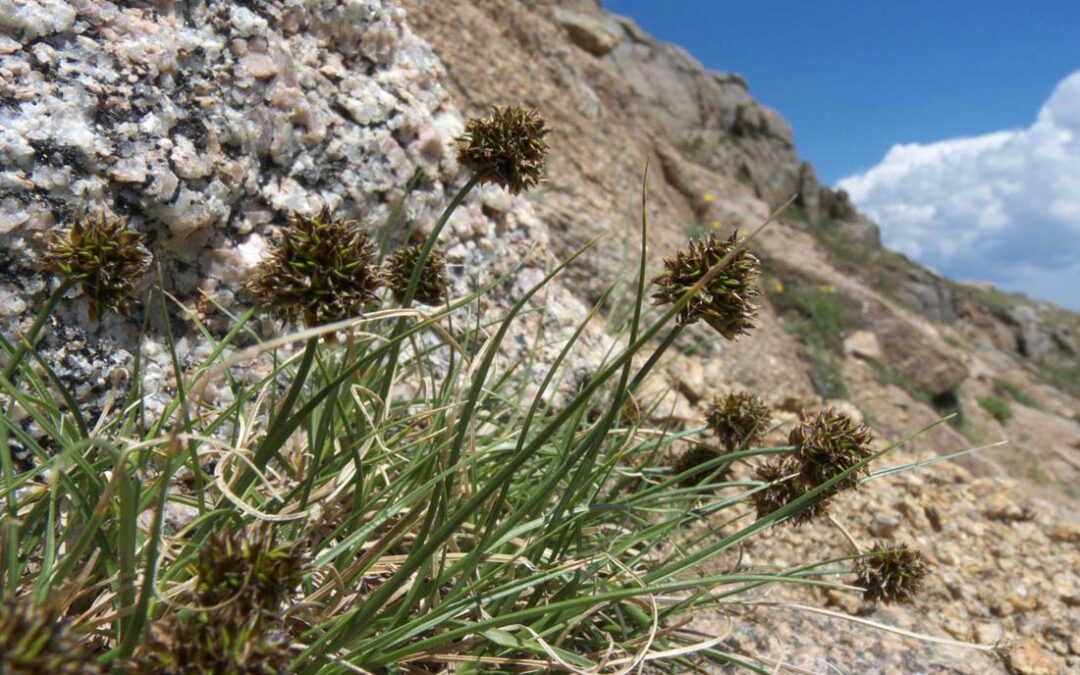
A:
(1002, 207)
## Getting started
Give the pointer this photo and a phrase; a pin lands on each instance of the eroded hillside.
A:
(846, 319)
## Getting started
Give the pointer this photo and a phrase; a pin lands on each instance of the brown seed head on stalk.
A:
(36, 640)
(434, 287)
(507, 147)
(695, 457)
(242, 581)
(204, 643)
(891, 573)
(631, 411)
(102, 256)
(322, 271)
(739, 420)
(828, 445)
(780, 493)
(725, 302)
(245, 573)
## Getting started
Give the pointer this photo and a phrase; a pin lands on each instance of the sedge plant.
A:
(397, 499)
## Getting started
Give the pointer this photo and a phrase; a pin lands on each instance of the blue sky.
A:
(956, 125)
(855, 77)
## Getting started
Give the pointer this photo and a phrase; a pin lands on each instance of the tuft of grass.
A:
(1036, 474)
(885, 374)
(825, 373)
(998, 408)
(817, 317)
(823, 312)
(953, 341)
(1015, 392)
(399, 498)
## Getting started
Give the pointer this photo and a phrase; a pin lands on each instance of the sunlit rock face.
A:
(207, 125)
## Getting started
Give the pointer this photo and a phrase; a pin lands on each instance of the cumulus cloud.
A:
(1002, 207)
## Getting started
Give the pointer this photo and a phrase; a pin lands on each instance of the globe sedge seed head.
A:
(781, 474)
(246, 572)
(695, 457)
(631, 411)
(507, 148)
(891, 573)
(38, 640)
(323, 270)
(207, 643)
(739, 420)
(103, 257)
(725, 301)
(827, 445)
(434, 287)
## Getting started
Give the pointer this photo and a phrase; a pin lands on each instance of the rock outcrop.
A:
(207, 125)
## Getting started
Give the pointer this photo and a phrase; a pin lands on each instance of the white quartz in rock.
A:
(31, 19)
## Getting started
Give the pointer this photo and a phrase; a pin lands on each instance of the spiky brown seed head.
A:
(694, 458)
(323, 270)
(891, 573)
(204, 644)
(827, 445)
(245, 573)
(631, 411)
(739, 420)
(781, 492)
(434, 287)
(725, 302)
(36, 640)
(102, 256)
(508, 147)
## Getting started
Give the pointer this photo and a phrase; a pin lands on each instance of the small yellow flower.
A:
(778, 286)
(716, 225)
(709, 197)
(827, 288)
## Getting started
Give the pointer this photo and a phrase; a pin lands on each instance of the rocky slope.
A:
(619, 99)
(846, 319)
(208, 139)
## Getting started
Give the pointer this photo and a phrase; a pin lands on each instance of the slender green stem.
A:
(31, 338)
(414, 281)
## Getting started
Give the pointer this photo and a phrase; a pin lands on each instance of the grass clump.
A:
(998, 408)
(816, 316)
(886, 374)
(1016, 392)
(400, 499)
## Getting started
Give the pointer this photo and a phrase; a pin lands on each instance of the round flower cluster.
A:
(724, 293)
(102, 256)
(826, 447)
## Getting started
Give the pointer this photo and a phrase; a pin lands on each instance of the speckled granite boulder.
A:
(207, 124)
